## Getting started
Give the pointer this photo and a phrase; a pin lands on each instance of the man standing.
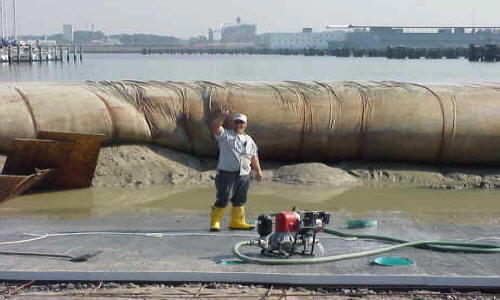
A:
(237, 156)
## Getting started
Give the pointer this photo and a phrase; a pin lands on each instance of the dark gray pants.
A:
(231, 187)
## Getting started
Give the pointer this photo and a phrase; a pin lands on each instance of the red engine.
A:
(294, 233)
(286, 222)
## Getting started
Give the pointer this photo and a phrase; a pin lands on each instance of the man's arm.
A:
(255, 164)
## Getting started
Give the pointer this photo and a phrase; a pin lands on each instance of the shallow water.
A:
(457, 207)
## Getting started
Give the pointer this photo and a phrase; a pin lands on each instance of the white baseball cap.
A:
(240, 117)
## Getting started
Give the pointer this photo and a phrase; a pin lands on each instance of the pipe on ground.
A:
(299, 121)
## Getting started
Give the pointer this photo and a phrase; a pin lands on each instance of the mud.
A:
(141, 165)
(144, 165)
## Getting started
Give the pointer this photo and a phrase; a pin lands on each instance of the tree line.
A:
(136, 39)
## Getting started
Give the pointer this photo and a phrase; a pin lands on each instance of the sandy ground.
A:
(140, 165)
(144, 165)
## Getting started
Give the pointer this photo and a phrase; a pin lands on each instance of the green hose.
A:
(433, 245)
(445, 246)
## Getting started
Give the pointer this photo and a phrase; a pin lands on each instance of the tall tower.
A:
(210, 36)
(68, 32)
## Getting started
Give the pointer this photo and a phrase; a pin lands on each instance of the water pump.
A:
(294, 233)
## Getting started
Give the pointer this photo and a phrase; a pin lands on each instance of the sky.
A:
(187, 18)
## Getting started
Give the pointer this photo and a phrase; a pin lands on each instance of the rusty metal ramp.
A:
(13, 185)
(72, 158)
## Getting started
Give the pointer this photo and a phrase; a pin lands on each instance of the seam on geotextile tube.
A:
(26, 101)
(439, 155)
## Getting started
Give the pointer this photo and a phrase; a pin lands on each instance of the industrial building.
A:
(379, 37)
(362, 36)
(238, 33)
(306, 39)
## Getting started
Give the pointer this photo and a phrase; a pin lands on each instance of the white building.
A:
(109, 41)
(68, 32)
(301, 40)
(41, 42)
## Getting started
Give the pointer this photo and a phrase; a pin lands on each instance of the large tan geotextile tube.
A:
(301, 121)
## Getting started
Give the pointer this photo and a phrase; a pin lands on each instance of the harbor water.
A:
(251, 68)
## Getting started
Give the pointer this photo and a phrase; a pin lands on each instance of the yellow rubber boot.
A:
(238, 219)
(216, 217)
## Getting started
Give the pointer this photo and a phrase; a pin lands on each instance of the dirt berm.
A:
(143, 165)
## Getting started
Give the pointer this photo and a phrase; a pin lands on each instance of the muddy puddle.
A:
(464, 207)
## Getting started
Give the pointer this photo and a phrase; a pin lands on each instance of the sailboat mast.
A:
(2, 19)
(7, 35)
(15, 24)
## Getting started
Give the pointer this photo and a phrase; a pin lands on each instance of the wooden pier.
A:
(35, 53)
(486, 53)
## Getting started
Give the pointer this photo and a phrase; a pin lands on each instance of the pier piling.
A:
(473, 53)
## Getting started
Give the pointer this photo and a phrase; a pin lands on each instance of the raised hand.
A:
(226, 111)
(223, 114)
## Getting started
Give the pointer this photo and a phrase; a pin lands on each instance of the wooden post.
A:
(67, 53)
(61, 53)
(9, 52)
(81, 52)
(18, 53)
(39, 53)
(74, 52)
(30, 53)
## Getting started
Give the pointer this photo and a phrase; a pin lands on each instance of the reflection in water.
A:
(448, 206)
(41, 71)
